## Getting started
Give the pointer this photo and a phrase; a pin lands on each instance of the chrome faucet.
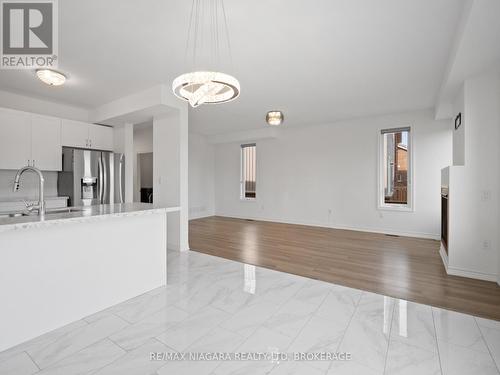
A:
(41, 180)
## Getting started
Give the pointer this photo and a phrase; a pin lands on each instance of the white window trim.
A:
(242, 195)
(381, 205)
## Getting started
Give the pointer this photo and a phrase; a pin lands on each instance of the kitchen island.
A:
(75, 263)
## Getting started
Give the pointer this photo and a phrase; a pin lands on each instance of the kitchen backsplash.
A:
(28, 187)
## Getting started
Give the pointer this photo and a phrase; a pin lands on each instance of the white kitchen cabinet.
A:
(75, 134)
(46, 149)
(15, 139)
(32, 139)
(101, 137)
(28, 139)
(84, 135)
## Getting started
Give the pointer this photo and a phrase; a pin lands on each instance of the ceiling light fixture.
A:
(207, 86)
(51, 77)
(275, 118)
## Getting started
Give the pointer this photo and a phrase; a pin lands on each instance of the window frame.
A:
(410, 205)
(242, 167)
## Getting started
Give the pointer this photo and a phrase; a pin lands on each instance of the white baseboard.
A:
(200, 215)
(471, 274)
(444, 257)
(431, 236)
(454, 271)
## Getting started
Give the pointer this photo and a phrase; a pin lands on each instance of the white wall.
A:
(143, 143)
(29, 185)
(498, 192)
(201, 177)
(42, 106)
(327, 175)
(170, 170)
(459, 134)
(474, 250)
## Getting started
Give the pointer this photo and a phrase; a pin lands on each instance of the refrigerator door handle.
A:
(101, 180)
(120, 168)
(105, 181)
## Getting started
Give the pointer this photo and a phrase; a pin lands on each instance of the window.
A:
(395, 169)
(248, 171)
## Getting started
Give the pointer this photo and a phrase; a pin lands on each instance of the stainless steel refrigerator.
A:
(91, 177)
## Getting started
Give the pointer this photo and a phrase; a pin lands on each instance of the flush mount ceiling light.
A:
(207, 86)
(275, 118)
(51, 77)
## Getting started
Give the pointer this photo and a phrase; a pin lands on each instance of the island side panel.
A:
(58, 273)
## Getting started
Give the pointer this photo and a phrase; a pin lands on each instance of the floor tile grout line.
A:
(127, 353)
(242, 308)
(121, 347)
(260, 326)
(32, 360)
(487, 346)
(65, 335)
(389, 335)
(80, 350)
(448, 341)
(312, 315)
(348, 325)
(25, 343)
(115, 313)
(437, 343)
(350, 320)
(168, 347)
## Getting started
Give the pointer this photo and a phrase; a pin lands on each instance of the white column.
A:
(129, 162)
(170, 173)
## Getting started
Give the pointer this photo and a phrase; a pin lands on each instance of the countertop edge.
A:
(93, 217)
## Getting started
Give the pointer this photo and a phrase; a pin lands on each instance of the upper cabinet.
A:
(101, 137)
(15, 139)
(84, 135)
(75, 134)
(37, 140)
(28, 139)
(46, 146)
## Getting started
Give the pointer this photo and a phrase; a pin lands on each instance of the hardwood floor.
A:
(401, 267)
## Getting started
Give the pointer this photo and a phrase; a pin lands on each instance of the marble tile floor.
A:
(213, 305)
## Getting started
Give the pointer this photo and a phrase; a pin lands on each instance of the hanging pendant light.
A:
(207, 86)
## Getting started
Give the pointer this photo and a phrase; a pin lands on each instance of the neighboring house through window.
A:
(395, 179)
(248, 171)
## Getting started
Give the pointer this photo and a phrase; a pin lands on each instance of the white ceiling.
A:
(476, 50)
(318, 61)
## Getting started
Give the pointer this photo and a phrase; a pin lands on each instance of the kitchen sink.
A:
(14, 214)
(50, 211)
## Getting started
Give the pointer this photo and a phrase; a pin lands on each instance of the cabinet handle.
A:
(29, 163)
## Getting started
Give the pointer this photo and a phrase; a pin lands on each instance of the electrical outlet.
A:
(486, 195)
(486, 245)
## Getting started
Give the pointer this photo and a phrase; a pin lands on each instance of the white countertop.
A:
(87, 213)
(28, 199)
